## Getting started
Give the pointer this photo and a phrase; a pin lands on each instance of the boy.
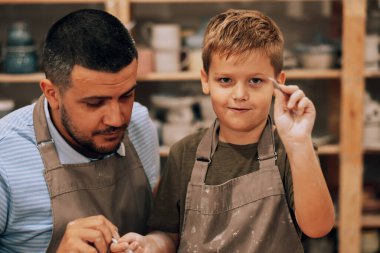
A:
(241, 186)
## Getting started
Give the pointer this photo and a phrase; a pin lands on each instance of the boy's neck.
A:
(239, 137)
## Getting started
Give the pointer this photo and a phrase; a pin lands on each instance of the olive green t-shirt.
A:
(229, 161)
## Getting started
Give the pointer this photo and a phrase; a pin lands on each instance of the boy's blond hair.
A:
(238, 33)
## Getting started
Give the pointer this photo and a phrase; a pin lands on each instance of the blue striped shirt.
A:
(25, 210)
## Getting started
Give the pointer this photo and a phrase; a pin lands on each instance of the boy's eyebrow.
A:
(132, 89)
(227, 73)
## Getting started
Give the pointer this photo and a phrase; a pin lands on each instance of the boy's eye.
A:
(256, 81)
(224, 80)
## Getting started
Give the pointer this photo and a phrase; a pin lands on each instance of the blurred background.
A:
(331, 52)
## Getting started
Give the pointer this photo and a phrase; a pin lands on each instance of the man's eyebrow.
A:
(132, 89)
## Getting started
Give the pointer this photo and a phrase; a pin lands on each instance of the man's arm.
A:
(4, 201)
(143, 135)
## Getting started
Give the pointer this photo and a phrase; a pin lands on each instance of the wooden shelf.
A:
(371, 150)
(368, 221)
(195, 76)
(180, 76)
(329, 149)
(21, 78)
(313, 74)
(187, 1)
(372, 74)
(213, 1)
(51, 1)
(371, 221)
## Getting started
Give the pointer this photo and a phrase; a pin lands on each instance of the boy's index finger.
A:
(275, 83)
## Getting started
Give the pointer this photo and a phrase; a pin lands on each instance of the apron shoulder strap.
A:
(205, 151)
(45, 143)
(266, 147)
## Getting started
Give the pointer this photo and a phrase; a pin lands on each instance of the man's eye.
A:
(94, 104)
(127, 96)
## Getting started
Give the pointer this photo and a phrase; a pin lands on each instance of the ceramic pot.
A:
(19, 35)
(20, 59)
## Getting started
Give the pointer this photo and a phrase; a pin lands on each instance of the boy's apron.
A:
(116, 187)
(245, 214)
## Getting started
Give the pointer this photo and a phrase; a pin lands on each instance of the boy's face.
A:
(240, 92)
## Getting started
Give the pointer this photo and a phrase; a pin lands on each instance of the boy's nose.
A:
(240, 92)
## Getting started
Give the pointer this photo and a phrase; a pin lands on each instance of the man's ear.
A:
(51, 93)
(204, 80)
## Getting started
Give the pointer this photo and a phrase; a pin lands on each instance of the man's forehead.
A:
(84, 76)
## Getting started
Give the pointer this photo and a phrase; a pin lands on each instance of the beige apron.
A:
(116, 187)
(245, 214)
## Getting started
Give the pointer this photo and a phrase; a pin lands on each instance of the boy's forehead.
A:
(253, 63)
(237, 58)
(238, 55)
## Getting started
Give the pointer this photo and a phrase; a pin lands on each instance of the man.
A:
(70, 177)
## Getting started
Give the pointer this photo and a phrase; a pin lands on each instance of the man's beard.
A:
(84, 142)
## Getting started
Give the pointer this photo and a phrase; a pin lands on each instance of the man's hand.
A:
(88, 235)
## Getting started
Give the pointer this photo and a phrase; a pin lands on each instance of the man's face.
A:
(240, 92)
(95, 110)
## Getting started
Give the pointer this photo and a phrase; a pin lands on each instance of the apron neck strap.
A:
(45, 142)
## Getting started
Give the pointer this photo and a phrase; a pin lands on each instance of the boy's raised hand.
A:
(294, 113)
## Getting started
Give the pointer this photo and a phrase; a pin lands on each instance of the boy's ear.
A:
(282, 77)
(51, 93)
(204, 80)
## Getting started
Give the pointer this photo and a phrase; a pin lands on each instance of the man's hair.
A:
(238, 33)
(93, 39)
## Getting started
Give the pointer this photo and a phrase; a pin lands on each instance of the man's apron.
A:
(245, 214)
(116, 187)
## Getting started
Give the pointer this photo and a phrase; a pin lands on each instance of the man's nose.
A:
(114, 116)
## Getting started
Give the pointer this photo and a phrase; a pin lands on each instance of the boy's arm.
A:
(294, 115)
(154, 242)
(312, 202)
(165, 242)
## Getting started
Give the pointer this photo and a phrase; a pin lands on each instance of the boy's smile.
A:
(241, 94)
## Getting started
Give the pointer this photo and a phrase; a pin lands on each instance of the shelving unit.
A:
(119, 8)
(50, 1)
(352, 79)
(351, 128)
